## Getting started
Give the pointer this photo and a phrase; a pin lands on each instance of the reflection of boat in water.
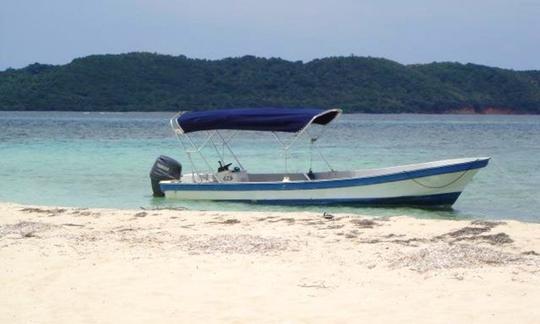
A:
(436, 183)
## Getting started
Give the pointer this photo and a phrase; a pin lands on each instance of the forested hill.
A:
(152, 82)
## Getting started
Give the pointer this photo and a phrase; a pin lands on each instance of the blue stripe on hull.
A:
(322, 184)
(446, 199)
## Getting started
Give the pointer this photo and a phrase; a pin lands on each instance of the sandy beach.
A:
(76, 265)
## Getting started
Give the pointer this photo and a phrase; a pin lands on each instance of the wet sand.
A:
(75, 265)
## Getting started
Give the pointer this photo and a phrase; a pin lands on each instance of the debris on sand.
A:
(467, 231)
(371, 241)
(336, 226)
(364, 223)
(472, 233)
(230, 221)
(450, 256)
(180, 208)
(493, 239)
(141, 214)
(234, 244)
(485, 223)
(408, 242)
(289, 220)
(85, 212)
(262, 219)
(318, 285)
(24, 229)
(71, 224)
(318, 222)
(52, 211)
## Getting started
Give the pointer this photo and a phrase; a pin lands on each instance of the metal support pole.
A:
(230, 150)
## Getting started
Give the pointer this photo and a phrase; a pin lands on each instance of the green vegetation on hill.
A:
(153, 82)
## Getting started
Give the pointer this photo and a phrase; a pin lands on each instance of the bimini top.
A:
(289, 120)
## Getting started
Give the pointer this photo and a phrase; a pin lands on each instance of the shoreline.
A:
(451, 112)
(64, 264)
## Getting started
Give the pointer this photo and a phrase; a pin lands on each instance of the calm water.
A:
(103, 159)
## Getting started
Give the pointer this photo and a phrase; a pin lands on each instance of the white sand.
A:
(114, 266)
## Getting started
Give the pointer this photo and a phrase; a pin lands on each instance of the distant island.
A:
(154, 82)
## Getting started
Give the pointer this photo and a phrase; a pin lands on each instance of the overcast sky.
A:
(491, 32)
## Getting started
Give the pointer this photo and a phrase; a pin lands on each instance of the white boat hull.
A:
(436, 183)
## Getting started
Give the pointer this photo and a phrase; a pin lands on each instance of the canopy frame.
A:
(190, 147)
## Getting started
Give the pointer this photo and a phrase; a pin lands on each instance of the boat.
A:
(437, 183)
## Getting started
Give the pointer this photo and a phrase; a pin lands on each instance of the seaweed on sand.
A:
(24, 229)
(449, 256)
(364, 223)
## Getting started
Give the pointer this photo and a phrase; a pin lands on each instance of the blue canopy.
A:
(255, 119)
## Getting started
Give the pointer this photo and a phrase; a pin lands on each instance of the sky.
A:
(503, 33)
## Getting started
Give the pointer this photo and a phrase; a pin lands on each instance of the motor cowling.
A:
(165, 168)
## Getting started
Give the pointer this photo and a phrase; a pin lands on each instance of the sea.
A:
(98, 159)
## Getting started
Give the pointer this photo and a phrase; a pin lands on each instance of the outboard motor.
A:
(165, 168)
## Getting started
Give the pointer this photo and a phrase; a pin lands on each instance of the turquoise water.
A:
(103, 159)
